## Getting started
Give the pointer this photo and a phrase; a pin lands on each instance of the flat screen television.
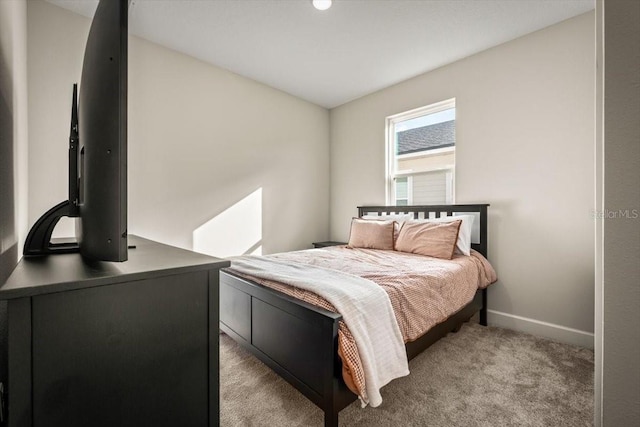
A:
(97, 148)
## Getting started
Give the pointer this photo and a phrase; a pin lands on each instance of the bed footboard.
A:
(297, 340)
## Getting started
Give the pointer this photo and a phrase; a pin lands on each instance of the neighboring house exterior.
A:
(427, 155)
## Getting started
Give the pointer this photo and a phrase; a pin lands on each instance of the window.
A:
(421, 146)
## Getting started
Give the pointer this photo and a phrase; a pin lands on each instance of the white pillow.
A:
(386, 217)
(464, 235)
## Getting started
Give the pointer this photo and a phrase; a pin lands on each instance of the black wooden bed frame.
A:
(299, 341)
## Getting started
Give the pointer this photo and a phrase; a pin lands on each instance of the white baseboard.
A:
(543, 329)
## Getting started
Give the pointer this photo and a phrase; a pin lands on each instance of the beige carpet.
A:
(476, 377)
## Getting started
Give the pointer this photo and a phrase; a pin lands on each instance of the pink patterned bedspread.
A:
(424, 291)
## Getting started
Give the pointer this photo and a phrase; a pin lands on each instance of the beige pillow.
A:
(371, 234)
(463, 245)
(429, 238)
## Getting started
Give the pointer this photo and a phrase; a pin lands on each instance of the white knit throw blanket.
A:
(364, 306)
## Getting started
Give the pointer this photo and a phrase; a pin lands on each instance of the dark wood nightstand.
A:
(328, 243)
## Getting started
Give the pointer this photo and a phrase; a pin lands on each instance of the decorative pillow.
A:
(437, 240)
(463, 245)
(371, 234)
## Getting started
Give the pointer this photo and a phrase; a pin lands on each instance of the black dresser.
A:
(112, 344)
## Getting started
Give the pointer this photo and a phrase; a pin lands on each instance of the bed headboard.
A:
(478, 237)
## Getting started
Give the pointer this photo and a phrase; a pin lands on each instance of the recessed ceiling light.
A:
(321, 4)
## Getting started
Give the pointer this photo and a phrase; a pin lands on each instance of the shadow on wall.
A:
(8, 235)
(235, 231)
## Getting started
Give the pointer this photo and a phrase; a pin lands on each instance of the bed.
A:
(299, 340)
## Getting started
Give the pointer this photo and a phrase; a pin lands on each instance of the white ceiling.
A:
(331, 57)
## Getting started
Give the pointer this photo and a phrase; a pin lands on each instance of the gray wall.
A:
(13, 149)
(619, 249)
(525, 129)
(13, 133)
(8, 235)
(202, 143)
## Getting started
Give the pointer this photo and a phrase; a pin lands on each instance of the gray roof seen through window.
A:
(438, 135)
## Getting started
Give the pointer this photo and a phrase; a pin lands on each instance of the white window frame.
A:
(391, 173)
